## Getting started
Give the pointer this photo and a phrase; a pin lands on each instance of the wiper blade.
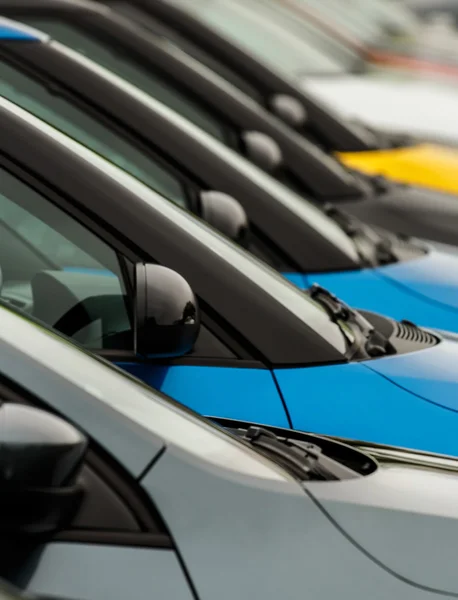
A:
(372, 248)
(363, 334)
(304, 460)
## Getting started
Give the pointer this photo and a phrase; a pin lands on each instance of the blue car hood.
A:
(431, 374)
(433, 276)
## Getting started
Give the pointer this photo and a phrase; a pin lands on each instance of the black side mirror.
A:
(41, 456)
(166, 313)
(289, 109)
(226, 215)
(262, 150)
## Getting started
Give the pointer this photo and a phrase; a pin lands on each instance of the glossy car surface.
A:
(80, 229)
(332, 102)
(368, 269)
(184, 503)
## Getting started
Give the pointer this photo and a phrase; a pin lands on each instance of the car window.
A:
(58, 271)
(252, 27)
(34, 97)
(301, 306)
(101, 51)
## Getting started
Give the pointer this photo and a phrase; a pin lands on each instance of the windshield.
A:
(268, 280)
(255, 28)
(106, 384)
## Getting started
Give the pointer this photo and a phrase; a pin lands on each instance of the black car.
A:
(160, 69)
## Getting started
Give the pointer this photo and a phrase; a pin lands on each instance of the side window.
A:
(34, 97)
(60, 272)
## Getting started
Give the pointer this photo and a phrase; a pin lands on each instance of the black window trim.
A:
(245, 357)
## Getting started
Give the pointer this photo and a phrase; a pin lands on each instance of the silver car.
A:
(109, 490)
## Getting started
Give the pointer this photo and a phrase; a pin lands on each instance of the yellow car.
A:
(426, 165)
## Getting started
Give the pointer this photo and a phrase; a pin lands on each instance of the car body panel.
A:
(420, 108)
(427, 165)
(271, 534)
(406, 520)
(433, 276)
(365, 401)
(423, 290)
(76, 570)
(308, 560)
(235, 393)
(430, 374)
(11, 32)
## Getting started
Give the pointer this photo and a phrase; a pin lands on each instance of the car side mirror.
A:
(289, 109)
(262, 150)
(167, 317)
(41, 456)
(226, 215)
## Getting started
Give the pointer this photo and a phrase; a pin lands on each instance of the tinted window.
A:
(302, 208)
(103, 53)
(58, 271)
(301, 306)
(55, 110)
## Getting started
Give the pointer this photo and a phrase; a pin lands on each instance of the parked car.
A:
(367, 268)
(160, 68)
(236, 39)
(93, 252)
(185, 503)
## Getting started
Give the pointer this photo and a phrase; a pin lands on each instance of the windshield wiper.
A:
(372, 248)
(359, 332)
(304, 460)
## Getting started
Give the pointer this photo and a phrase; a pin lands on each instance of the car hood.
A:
(427, 165)
(404, 518)
(430, 374)
(433, 277)
(412, 106)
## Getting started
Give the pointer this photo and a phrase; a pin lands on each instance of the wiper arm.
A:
(372, 248)
(363, 334)
(304, 460)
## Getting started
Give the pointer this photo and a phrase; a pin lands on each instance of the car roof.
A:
(12, 30)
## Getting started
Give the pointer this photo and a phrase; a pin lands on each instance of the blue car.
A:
(94, 253)
(367, 268)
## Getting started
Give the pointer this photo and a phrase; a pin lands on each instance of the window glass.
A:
(268, 281)
(34, 97)
(55, 269)
(252, 27)
(102, 52)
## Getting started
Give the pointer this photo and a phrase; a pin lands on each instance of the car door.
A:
(116, 546)
(53, 267)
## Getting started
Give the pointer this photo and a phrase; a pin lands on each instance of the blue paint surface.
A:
(297, 278)
(354, 401)
(433, 276)
(10, 30)
(233, 393)
(424, 290)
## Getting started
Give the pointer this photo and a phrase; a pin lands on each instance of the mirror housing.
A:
(262, 150)
(167, 317)
(226, 215)
(41, 456)
(289, 109)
